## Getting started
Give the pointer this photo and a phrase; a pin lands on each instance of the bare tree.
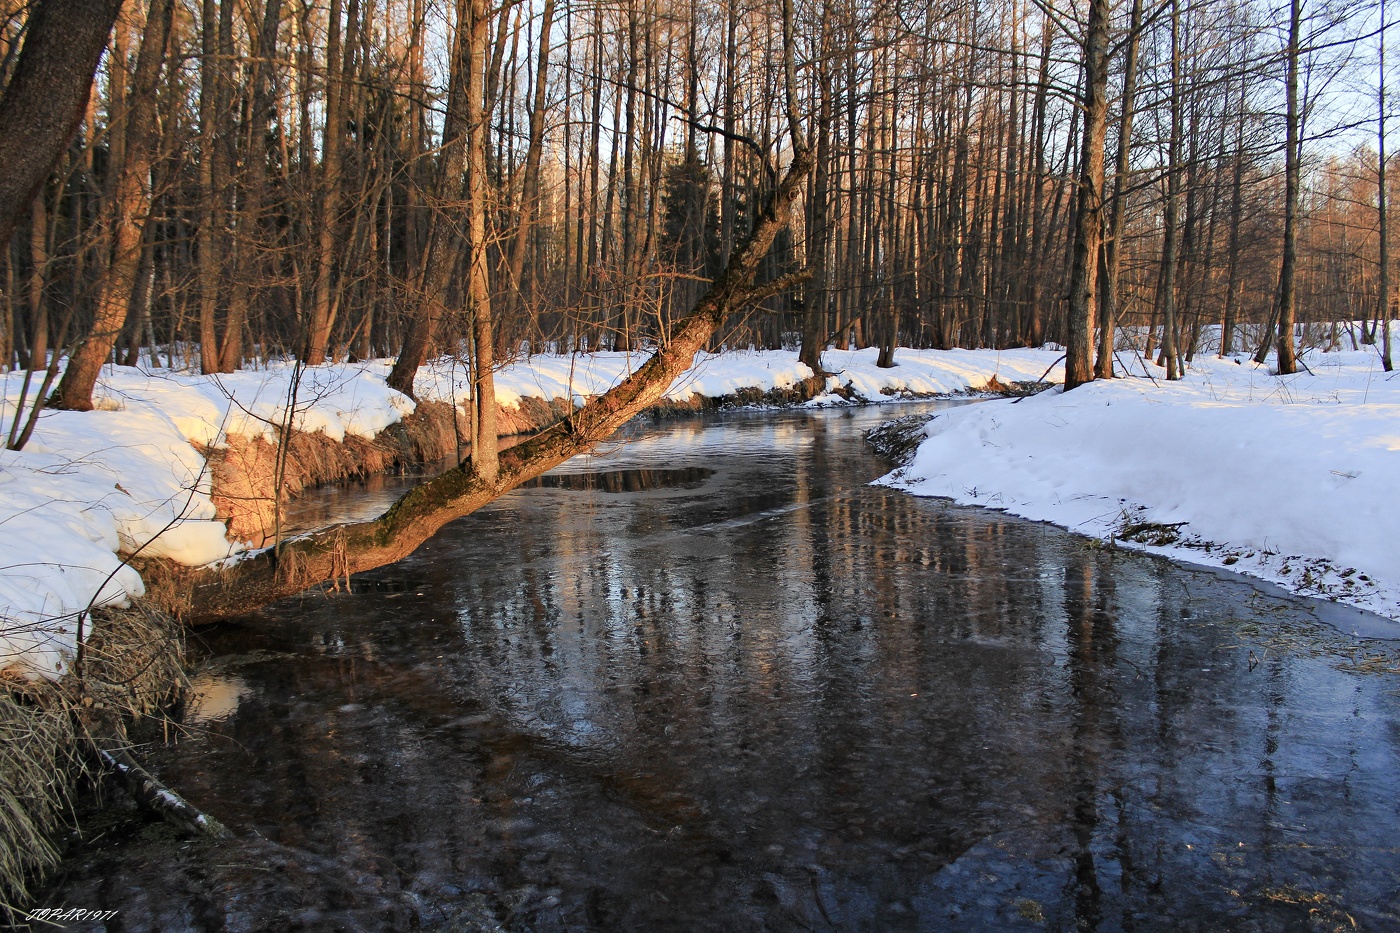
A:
(1089, 219)
(1293, 156)
(130, 207)
(47, 96)
(1383, 283)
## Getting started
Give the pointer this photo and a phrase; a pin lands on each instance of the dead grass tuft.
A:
(37, 765)
(132, 665)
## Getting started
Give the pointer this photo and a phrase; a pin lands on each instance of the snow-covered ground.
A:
(1291, 479)
(92, 485)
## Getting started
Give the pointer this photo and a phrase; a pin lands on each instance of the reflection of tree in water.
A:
(623, 480)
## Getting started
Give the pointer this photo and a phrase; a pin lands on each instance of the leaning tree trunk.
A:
(131, 206)
(335, 553)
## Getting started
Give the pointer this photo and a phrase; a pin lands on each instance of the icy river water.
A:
(719, 683)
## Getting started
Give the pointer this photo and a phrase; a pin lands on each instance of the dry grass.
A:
(898, 440)
(1012, 388)
(132, 666)
(37, 764)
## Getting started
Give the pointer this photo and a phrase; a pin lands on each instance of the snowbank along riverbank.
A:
(91, 487)
(1294, 479)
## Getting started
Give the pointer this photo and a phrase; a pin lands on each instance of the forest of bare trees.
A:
(258, 179)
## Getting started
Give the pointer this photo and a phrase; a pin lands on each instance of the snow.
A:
(920, 372)
(939, 372)
(1293, 479)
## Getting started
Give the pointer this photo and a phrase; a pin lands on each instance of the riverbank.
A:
(1293, 479)
(170, 460)
(771, 693)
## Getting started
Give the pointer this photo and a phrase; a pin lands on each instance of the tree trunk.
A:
(38, 355)
(815, 327)
(1288, 269)
(529, 189)
(484, 458)
(1171, 236)
(47, 96)
(442, 254)
(1383, 285)
(131, 206)
(211, 180)
(1232, 282)
(1089, 214)
(1113, 245)
(246, 261)
(318, 334)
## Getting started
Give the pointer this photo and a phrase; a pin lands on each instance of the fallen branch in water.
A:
(151, 794)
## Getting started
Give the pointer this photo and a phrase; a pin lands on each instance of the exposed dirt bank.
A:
(245, 472)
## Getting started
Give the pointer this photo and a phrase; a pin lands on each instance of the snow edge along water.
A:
(1291, 480)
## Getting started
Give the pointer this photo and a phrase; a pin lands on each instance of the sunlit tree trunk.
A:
(529, 190)
(442, 241)
(131, 205)
(318, 333)
(484, 459)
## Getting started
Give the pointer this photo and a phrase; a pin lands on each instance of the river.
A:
(716, 682)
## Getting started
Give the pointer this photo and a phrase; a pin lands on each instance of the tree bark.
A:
(1171, 236)
(1287, 294)
(131, 207)
(1232, 281)
(815, 326)
(1088, 235)
(529, 189)
(246, 260)
(1113, 245)
(47, 97)
(318, 334)
(484, 459)
(38, 355)
(1383, 285)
